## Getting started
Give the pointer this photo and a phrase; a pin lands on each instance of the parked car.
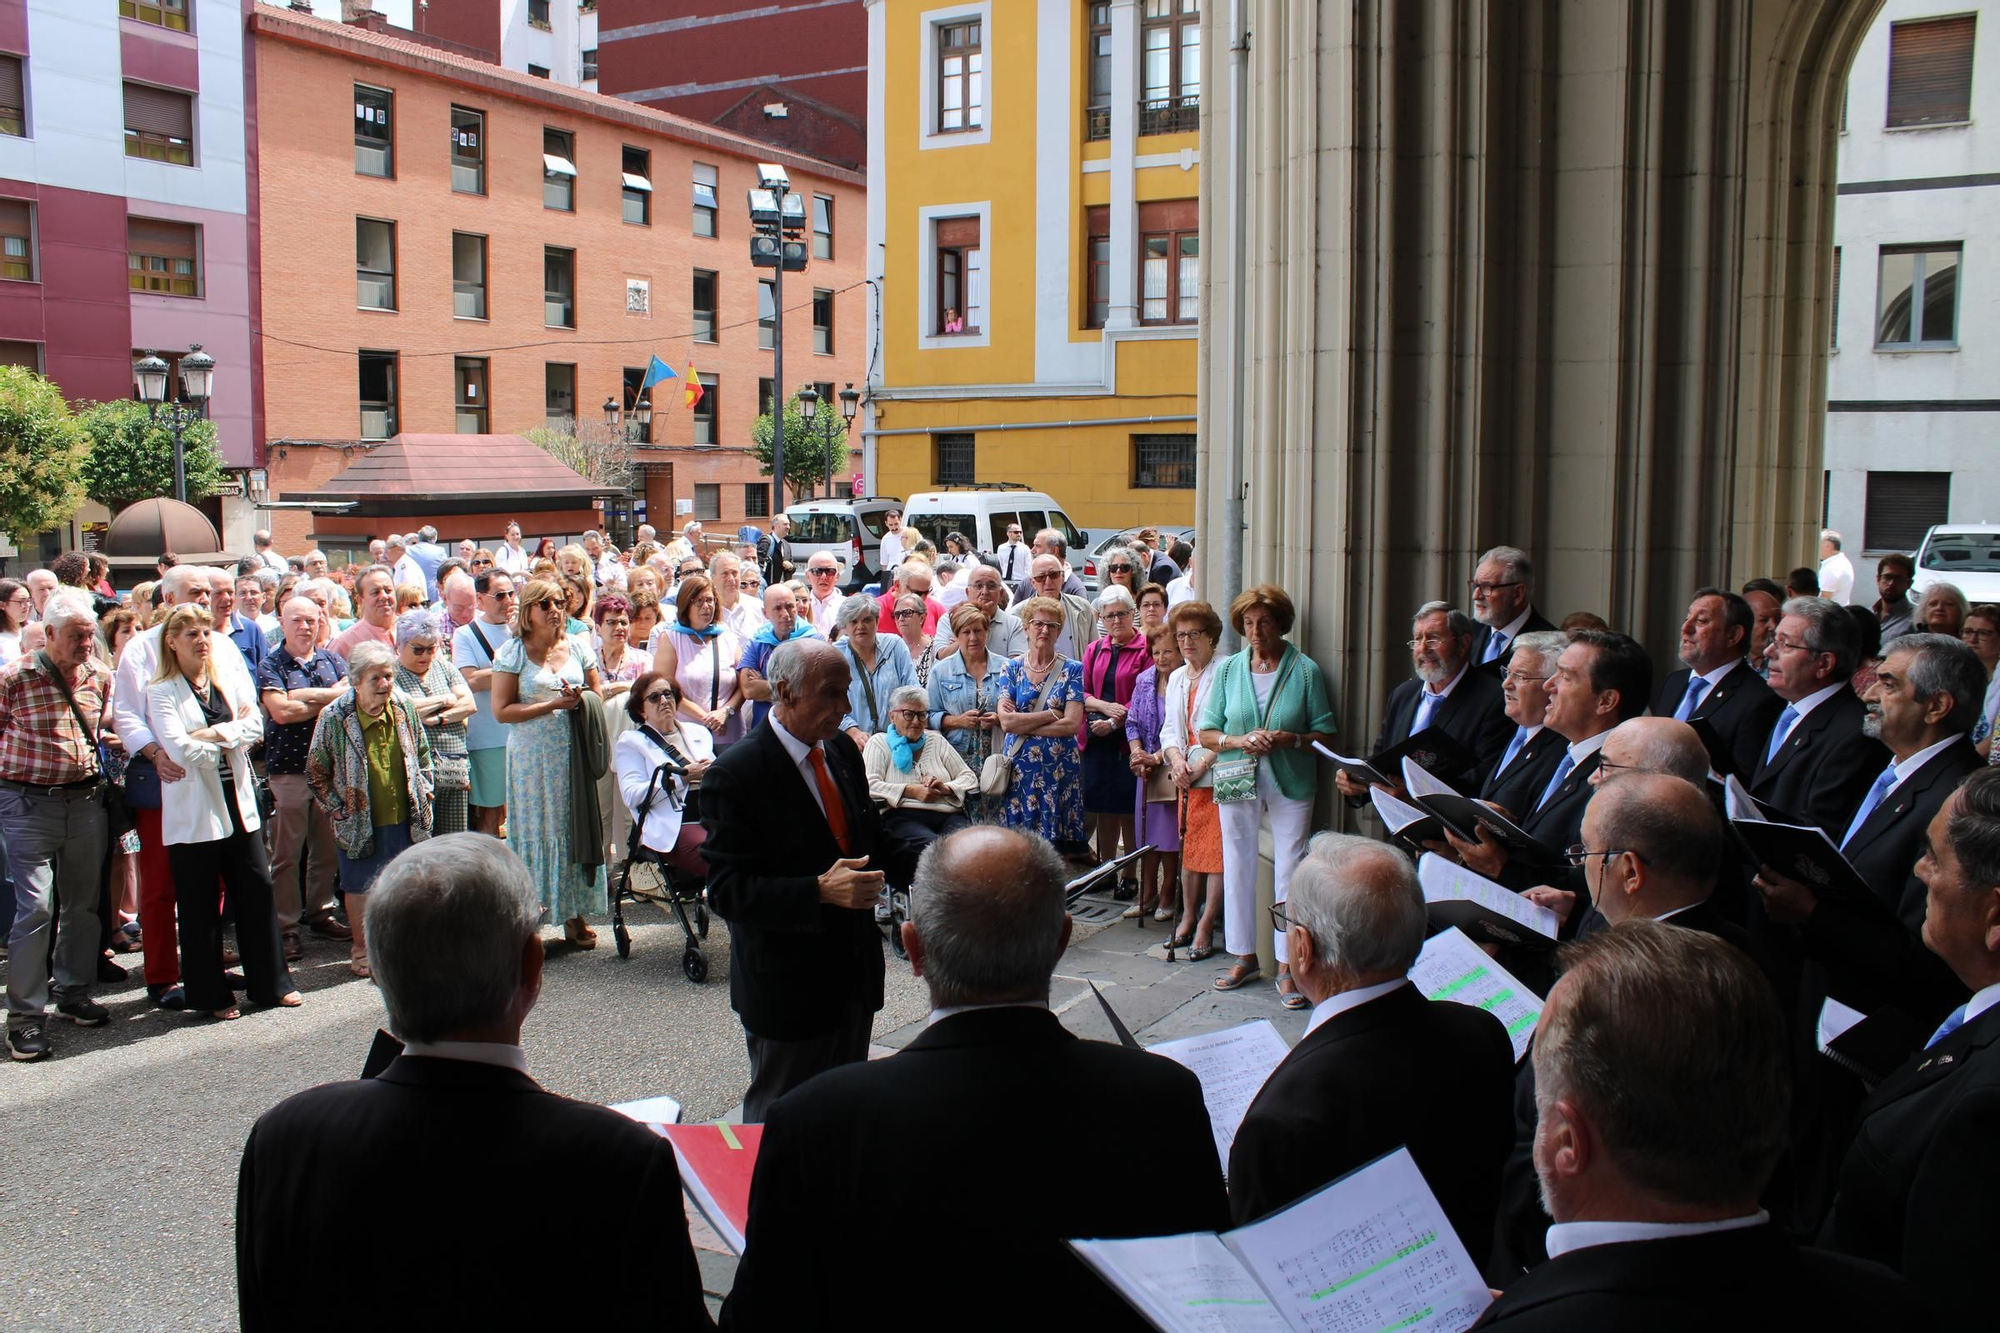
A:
(985, 511)
(1087, 568)
(1965, 555)
(850, 529)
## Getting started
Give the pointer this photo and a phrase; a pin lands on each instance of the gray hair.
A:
(912, 696)
(987, 904)
(1113, 596)
(427, 533)
(791, 664)
(448, 921)
(949, 565)
(416, 626)
(1360, 901)
(366, 657)
(1829, 629)
(1519, 567)
(1545, 645)
(1830, 537)
(1456, 621)
(267, 578)
(722, 558)
(1950, 592)
(178, 581)
(1053, 539)
(1939, 664)
(1973, 830)
(856, 609)
(65, 605)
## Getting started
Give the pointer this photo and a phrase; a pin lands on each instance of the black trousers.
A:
(238, 860)
(776, 1067)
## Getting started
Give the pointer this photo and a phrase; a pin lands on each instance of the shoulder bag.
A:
(997, 773)
(62, 687)
(1236, 779)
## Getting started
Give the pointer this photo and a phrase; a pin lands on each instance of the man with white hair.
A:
(41, 582)
(1380, 1066)
(1447, 692)
(1503, 590)
(1005, 636)
(453, 941)
(740, 614)
(315, 564)
(1836, 571)
(295, 681)
(458, 603)
(265, 553)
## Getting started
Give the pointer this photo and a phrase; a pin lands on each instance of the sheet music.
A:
(1443, 880)
(1186, 1284)
(1232, 1065)
(651, 1110)
(1736, 799)
(1417, 781)
(1836, 1018)
(1398, 815)
(1373, 1251)
(1451, 967)
(1348, 760)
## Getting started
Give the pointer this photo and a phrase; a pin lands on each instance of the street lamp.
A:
(642, 418)
(150, 375)
(850, 401)
(777, 232)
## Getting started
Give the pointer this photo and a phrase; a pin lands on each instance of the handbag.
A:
(997, 773)
(1236, 779)
(1160, 788)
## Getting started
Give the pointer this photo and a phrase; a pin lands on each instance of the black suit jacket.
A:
(1484, 635)
(797, 965)
(1917, 1189)
(1516, 788)
(953, 1163)
(1825, 766)
(777, 554)
(1740, 708)
(1556, 824)
(1398, 1070)
(442, 1169)
(1716, 1282)
(1472, 714)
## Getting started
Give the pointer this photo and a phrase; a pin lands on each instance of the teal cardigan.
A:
(1300, 705)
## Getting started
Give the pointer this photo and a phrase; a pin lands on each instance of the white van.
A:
(849, 529)
(984, 511)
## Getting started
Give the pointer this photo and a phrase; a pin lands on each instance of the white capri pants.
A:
(1291, 823)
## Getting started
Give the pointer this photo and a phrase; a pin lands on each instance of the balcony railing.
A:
(1170, 115)
(1096, 123)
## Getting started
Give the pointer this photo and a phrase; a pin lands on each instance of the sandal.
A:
(1288, 992)
(1238, 976)
(1181, 941)
(576, 939)
(357, 963)
(1201, 953)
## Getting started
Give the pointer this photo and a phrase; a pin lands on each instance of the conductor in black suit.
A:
(1531, 754)
(1446, 694)
(1380, 1066)
(1503, 591)
(1716, 684)
(1815, 764)
(1660, 1071)
(440, 1168)
(954, 1160)
(1917, 1190)
(797, 858)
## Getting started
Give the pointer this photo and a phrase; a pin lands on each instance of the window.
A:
(470, 374)
(767, 314)
(708, 502)
(1096, 268)
(1097, 42)
(827, 401)
(953, 464)
(637, 199)
(1170, 66)
(1930, 71)
(822, 226)
(704, 306)
(1917, 301)
(631, 378)
(590, 64)
(468, 275)
(538, 14)
(961, 76)
(961, 277)
(378, 395)
(756, 499)
(1833, 334)
(26, 355)
(559, 393)
(538, 71)
(374, 153)
(468, 151)
(1163, 462)
(17, 240)
(160, 13)
(1169, 262)
(822, 322)
(706, 413)
(704, 200)
(163, 257)
(1901, 505)
(159, 124)
(374, 264)
(13, 106)
(558, 287)
(559, 170)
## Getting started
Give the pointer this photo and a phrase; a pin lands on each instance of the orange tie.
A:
(829, 796)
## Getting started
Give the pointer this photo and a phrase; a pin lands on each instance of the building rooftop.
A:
(458, 469)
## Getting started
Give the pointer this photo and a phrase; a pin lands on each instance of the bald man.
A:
(1652, 745)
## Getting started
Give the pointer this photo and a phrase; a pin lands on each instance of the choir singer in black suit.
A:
(440, 1170)
(1815, 763)
(1660, 1074)
(934, 1189)
(1380, 1066)
(797, 858)
(1503, 591)
(1716, 684)
(1446, 693)
(1533, 751)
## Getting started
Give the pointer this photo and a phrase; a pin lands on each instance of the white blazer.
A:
(191, 810)
(636, 757)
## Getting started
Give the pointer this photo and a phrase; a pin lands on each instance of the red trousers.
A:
(156, 903)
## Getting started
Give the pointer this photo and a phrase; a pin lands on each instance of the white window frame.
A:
(928, 135)
(927, 312)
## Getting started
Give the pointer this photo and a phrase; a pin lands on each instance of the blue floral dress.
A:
(538, 785)
(1046, 795)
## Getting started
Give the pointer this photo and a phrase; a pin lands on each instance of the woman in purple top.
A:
(1111, 667)
(1157, 822)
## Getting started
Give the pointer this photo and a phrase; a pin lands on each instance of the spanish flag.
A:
(693, 390)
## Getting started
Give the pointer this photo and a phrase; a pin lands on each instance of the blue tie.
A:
(1692, 699)
(1953, 1021)
(1426, 705)
(1868, 804)
(1513, 748)
(1496, 644)
(1562, 771)
(1786, 720)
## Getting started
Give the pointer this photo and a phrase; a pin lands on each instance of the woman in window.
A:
(953, 321)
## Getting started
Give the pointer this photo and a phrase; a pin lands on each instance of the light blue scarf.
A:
(904, 751)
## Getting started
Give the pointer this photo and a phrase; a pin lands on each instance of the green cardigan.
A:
(1300, 705)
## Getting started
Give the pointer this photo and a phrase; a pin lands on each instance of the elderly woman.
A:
(1196, 630)
(443, 701)
(1111, 666)
(699, 653)
(909, 614)
(915, 774)
(1156, 800)
(617, 659)
(1942, 610)
(540, 676)
(1123, 568)
(645, 616)
(1269, 704)
(206, 721)
(965, 693)
(1152, 608)
(1041, 712)
(877, 666)
(659, 760)
(370, 768)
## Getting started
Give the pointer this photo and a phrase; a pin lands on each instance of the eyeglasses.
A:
(508, 596)
(658, 697)
(1119, 569)
(1115, 615)
(422, 649)
(1053, 576)
(1478, 587)
(1786, 645)
(1576, 854)
(907, 614)
(1049, 625)
(1431, 641)
(482, 564)
(1525, 677)
(908, 712)
(1279, 920)
(1188, 635)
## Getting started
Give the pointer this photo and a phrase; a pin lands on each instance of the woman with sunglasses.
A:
(443, 701)
(1124, 569)
(909, 615)
(658, 738)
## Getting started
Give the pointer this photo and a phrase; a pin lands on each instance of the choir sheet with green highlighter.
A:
(1451, 967)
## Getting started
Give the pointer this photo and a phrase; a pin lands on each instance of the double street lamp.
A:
(850, 402)
(150, 374)
(634, 429)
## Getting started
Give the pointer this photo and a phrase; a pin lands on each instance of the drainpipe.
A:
(1231, 572)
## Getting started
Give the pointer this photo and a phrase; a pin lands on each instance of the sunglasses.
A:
(658, 697)
(822, 573)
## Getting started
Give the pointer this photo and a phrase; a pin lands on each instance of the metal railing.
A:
(1170, 115)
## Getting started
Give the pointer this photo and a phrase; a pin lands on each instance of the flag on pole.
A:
(656, 371)
(693, 390)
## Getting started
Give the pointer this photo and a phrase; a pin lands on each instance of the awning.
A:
(557, 166)
(638, 183)
(455, 472)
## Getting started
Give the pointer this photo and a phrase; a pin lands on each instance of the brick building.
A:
(521, 250)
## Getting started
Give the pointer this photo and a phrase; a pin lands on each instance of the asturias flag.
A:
(655, 372)
(693, 388)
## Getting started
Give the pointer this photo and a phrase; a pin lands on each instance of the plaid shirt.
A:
(40, 744)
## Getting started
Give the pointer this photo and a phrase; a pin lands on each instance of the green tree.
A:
(41, 450)
(132, 455)
(807, 447)
(591, 449)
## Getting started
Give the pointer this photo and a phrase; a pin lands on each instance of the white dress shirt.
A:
(1014, 558)
(939, 1015)
(1982, 999)
(1566, 1236)
(892, 551)
(1905, 767)
(1836, 578)
(504, 1054)
(1429, 699)
(799, 751)
(407, 570)
(1351, 999)
(1512, 629)
(1588, 746)
(1180, 590)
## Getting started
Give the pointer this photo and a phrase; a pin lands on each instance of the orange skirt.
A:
(1201, 832)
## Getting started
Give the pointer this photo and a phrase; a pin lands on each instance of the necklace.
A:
(1037, 672)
